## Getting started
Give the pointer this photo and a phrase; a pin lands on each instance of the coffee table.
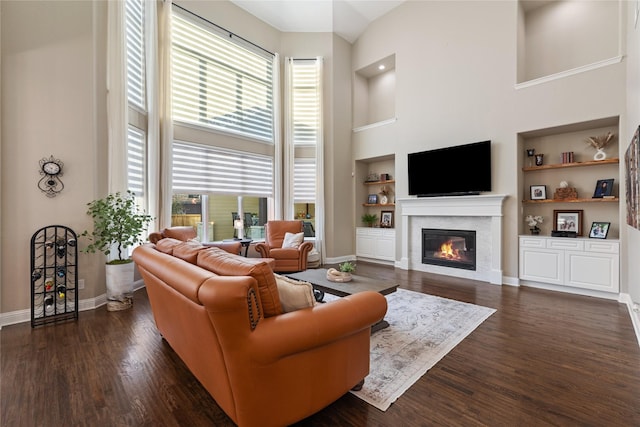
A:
(318, 278)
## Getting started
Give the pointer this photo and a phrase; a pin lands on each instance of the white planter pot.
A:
(119, 286)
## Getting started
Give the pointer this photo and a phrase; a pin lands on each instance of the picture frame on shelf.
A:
(604, 188)
(599, 230)
(386, 219)
(538, 192)
(568, 220)
(373, 199)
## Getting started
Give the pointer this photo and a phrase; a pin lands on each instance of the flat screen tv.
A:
(451, 171)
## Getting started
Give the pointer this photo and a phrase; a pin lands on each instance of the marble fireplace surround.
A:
(481, 213)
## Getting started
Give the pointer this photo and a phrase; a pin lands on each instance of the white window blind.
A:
(199, 169)
(218, 82)
(305, 102)
(134, 21)
(304, 185)
(136, 161)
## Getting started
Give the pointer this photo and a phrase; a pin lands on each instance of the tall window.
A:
(223, 153)
(304, 131)
(136, 97)
(220, 83)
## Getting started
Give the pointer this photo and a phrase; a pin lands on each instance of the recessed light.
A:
(381, 67)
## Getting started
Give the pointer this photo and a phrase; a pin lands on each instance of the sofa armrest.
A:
(262, 249)
(290, 333)
(302, 330)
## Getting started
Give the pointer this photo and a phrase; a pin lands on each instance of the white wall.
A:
(563, 35)
(631, 246)
(53, 95)
(455, 75)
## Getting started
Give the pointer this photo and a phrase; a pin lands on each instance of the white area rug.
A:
(422, 330)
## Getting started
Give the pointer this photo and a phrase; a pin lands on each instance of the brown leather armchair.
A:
(286, 259)
(187, 232)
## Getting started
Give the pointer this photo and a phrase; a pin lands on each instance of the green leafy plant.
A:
(347, 267)
(369, 219)
(117, 221)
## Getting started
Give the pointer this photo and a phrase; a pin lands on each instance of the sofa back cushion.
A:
(187, 251)
(223, 263)
(183, 233)
(166, 245)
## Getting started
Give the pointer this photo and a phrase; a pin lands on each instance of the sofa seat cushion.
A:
(223, 263)
(285, 253)
(187, 251)
(294, 294)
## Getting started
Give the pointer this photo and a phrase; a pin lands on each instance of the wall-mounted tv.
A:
(451, 171)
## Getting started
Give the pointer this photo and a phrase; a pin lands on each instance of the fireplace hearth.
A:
(449, 248)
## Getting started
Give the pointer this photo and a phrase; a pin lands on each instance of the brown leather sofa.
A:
(219, 313)
(286, 259)
(186, 233)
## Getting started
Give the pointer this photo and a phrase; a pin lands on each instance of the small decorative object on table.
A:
(599, 230)
(599, 142)
(343, 274)
(384, 195)
(539, 159)
(533, 221)
(565, 192)
(530, 153)
(373, 177)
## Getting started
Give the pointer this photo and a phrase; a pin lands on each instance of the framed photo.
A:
(569, 220)
(599, 230)
(386, 219)
(604, 188)
(373, 199)
(538, 192)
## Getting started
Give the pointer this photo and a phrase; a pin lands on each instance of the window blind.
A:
(136, 161)
(220, 83)
(199, 169)
(304, 185)
(305, 102)
(134, 22)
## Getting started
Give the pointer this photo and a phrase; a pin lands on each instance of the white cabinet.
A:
(376, 243)
(578, 263)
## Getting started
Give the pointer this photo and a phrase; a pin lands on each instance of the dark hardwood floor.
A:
(544, 358)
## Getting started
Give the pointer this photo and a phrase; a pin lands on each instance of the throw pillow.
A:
(292, 240)
(294, 294)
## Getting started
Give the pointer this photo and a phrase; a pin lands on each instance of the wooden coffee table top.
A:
(318, 278)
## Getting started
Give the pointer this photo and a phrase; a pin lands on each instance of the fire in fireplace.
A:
(449, 248)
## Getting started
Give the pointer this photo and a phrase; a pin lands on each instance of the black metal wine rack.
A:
(54, 275)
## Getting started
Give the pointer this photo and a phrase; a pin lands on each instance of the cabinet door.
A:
(542, 265)
(597, 271)
(365, 244)
(385, 246)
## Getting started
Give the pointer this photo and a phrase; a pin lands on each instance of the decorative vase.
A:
(334, 275)
(119, 286)
(539, 159)
(600, 155)
(535, 231)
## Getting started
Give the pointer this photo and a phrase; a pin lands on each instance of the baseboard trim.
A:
(634, 313)
(22, 316)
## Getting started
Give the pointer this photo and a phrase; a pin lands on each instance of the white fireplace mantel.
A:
(454, 206)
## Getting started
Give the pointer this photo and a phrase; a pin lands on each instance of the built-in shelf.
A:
(379, 205)
(615, 199)
(571, 165)
(391, 181)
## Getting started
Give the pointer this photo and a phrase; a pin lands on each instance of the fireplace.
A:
(449, 248)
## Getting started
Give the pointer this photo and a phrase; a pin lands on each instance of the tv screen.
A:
(457, 170)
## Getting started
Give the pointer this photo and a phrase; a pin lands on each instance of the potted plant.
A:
(118, 224)
(369, 219)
